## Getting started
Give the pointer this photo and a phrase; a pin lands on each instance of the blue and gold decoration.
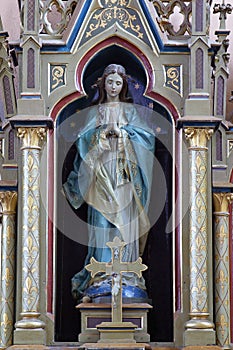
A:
(173, 78)
(110, 12)
(57, 76)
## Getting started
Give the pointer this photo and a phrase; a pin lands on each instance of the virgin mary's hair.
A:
(111, 69)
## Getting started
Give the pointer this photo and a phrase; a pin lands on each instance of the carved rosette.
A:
(198, 244)
(8, 202)
(222, 270)
(32, 140)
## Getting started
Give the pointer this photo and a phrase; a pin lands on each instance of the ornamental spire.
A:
(223, 10)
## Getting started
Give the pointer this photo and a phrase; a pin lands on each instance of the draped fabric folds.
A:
(112, 173)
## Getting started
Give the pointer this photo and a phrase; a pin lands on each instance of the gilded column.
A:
(8, 200)
(222, 270)
(198, 240)
(32, 140)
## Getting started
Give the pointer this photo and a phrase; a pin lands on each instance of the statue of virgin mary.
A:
(112, 173)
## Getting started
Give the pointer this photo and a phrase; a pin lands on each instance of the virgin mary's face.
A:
(113, 86)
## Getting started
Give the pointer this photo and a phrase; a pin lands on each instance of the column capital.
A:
(198, 137)
(221, 201)
(8, 200)
(32, 137)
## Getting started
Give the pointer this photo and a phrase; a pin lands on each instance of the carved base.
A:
(120, 332)
(30, 320)
(29, 336)
(93, 314)
(199, 320)
(199, 337)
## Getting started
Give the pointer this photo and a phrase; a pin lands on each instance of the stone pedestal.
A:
(93, 315)
(197, 337)
(116, 332)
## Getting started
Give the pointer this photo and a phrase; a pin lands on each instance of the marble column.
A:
(8, 200)
(30, 329)
(221, 267)
(199, 329)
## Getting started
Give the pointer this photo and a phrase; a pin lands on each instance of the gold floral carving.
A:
(118, 10)
(198, 137)
(30, 233)
(6, 322)
(222, 324)
(32, 137)
(30, 292)
(198, 243)
(173, 78)
(221, 201)
(8, 200)
(173, 75)
(9, 235)
(198, 229)
(8, 277)
(30, 250)
(221, 235)
(222, 278)
(57, 76)
(32, 140)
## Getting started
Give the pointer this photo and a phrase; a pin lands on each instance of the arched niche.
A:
(71, 235)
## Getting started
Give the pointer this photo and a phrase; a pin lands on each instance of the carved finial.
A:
(223, 9)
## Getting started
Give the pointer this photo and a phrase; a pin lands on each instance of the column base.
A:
(199, 337)
(29, 336)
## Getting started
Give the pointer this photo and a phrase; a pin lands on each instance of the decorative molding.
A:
(198, 137)
(32, 137)
(8, 201)
(221, 202)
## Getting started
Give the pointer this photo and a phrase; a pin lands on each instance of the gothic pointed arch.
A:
(72, 238)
